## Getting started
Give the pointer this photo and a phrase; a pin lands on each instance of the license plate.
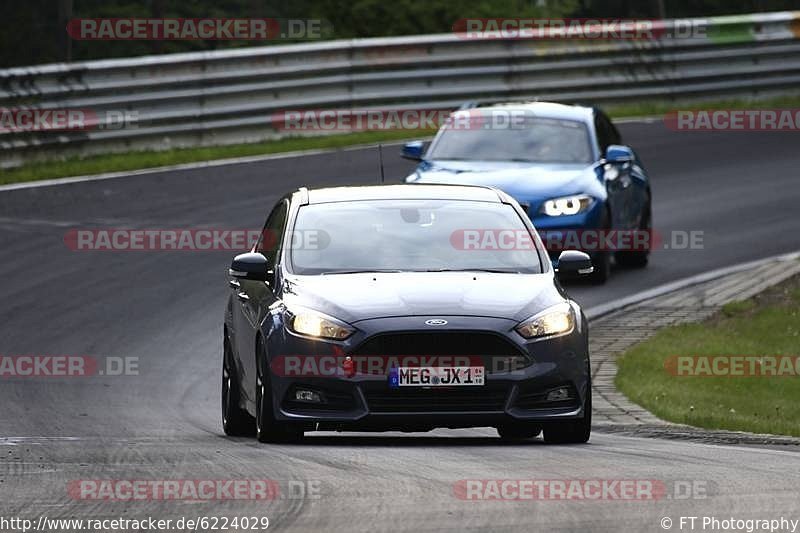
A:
(436, 376)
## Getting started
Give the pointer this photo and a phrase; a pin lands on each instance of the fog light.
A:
(559, 394)
(302, 395)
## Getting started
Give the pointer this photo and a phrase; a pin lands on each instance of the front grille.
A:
(496, 352)
(484, 398)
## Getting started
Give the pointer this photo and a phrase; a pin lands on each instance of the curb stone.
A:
(615, 332)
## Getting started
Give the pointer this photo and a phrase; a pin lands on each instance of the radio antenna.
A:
(380, 158)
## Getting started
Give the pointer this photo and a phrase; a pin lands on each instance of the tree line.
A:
(34, 31)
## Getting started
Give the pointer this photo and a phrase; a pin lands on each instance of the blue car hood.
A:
(523, 181)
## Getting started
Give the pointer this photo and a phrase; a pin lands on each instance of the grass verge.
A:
(766, 325)
(139, 160)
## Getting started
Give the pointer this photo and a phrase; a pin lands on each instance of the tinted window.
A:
(617, 138)
(603, 139)
(269, 243)
(411, 235)
(607, 133)
(540, 140)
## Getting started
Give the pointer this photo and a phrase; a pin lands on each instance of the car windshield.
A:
(411, 235)
(534, 139)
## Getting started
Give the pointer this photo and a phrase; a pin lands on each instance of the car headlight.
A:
(568, 205)
(314, 324)
(552, 322)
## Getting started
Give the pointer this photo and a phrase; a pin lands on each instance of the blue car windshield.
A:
(411, 235)
(531, 139)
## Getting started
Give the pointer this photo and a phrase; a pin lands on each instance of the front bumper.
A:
(519, 374)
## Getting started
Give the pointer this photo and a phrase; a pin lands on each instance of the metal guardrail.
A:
(231, 96)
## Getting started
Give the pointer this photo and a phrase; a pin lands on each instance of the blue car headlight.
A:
(567, 205)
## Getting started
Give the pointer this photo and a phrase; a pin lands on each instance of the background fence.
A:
(230, 96)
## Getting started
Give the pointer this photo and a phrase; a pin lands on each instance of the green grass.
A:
(656, 107)
(78, 166)
(140, 160)
(767, 325)
(737, 308)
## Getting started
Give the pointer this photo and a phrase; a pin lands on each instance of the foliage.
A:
(33, 31)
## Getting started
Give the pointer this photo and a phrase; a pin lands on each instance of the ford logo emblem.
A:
(436, 322)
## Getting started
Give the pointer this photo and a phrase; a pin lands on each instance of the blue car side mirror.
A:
(413, 150)
(617, 153)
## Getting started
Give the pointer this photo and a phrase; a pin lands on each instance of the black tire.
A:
(572, 431)
(601, 262)
(267, 428)
(518, 431)
(641, 258)
(236, 422)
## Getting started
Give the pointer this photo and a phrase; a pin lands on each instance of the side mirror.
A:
(413, 150)
(250, 266)
(573, 262)
(617, 153)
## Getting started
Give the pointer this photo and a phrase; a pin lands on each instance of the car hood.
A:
(355, 297)
(523, 181)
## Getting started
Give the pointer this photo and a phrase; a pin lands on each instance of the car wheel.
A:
(267, 428)
(601, 261)
(602, 268)
(571, 431)
(518, 431)
(236, 422)
(638, 259)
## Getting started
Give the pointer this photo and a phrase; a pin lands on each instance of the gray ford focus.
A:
(404, 308)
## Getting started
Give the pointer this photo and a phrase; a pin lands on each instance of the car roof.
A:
(420, 191)
(543, 109)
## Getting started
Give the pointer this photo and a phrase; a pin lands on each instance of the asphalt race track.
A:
(740, 189)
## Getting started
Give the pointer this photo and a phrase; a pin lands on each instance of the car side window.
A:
(603, 137)
(269, 242)
(607, 133)
(615, 135)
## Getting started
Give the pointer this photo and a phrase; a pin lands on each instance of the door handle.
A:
(234, 284)
(242, 296)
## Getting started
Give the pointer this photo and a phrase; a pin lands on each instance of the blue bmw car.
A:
(567, 167)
